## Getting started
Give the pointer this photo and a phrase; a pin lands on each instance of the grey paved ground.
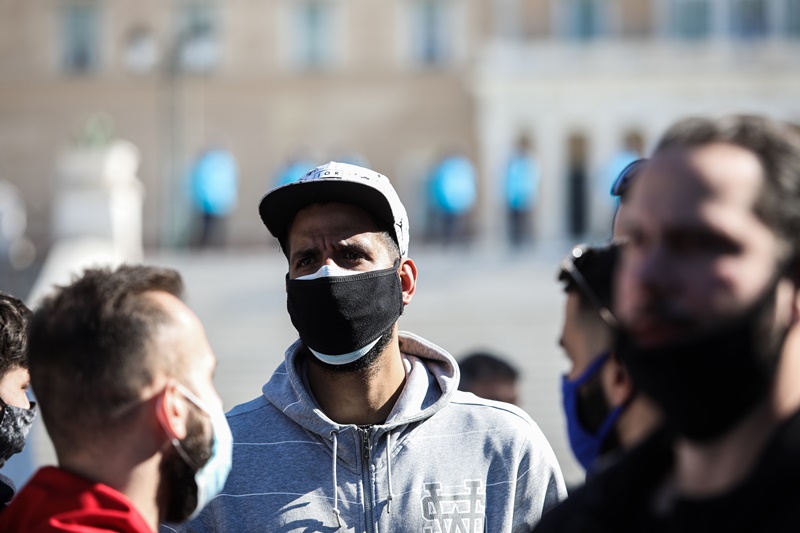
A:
(507, 303)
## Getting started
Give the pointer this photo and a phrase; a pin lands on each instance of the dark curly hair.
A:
(13, 333)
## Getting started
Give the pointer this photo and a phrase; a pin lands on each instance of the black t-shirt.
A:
(625, 498)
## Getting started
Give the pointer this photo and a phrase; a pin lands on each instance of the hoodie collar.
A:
(432, 376)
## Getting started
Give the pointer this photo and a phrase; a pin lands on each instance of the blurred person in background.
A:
(293, 170)
(604, 413)
(123, 372)
(18, 412)
(708, 300)
(454, 191)
(521, 192)
(362, 428)
(489, 376)
(215, 194)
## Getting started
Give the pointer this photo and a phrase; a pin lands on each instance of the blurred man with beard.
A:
(708, 295)
(123, 373)
(362, 427)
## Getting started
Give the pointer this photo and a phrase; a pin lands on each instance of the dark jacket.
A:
(626, 496)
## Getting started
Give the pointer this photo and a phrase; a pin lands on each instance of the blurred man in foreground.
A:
(122, 371)
(605, 415)
(708, 296)
(17, 412)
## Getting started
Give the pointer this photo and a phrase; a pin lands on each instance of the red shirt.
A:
(57, 500)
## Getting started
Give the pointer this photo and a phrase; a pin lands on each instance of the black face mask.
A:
(339, 317)
(14, 427)
(706, 383)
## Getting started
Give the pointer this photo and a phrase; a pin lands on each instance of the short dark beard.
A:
(363, 364)
(594, 409)
(177, 477)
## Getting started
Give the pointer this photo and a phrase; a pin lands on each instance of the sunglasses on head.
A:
(626, 177)
(569, 268)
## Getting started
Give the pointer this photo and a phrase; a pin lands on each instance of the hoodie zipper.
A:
(365, 478)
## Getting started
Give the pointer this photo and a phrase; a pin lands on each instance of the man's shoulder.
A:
(57, 500)
(256, 413)
(481, 410)
(496, 421)
(254, 407)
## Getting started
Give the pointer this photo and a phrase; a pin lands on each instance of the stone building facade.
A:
(395, 84)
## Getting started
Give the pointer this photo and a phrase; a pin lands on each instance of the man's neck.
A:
(637, 422)
(360, 398)
(711, 469)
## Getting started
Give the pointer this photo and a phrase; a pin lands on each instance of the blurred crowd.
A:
(681, 331)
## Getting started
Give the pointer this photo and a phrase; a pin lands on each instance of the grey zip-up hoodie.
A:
(444, 460)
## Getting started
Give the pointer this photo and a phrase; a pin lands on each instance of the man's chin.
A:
(360, 365)
(363, 364)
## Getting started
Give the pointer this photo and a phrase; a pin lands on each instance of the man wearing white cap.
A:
(362, 428)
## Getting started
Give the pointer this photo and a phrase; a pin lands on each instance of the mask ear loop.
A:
(168, 430)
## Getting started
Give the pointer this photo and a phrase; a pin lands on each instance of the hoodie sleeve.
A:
(540, 484)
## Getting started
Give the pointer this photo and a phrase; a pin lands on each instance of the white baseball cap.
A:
(336, 182)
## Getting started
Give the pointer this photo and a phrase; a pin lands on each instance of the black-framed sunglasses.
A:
(569, 267)
(625, 178)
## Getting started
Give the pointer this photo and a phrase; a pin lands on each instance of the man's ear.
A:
(408, 279)
(617, 382)
(172, 411)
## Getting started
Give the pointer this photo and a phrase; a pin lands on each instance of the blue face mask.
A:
(586, 445)
(210, 477)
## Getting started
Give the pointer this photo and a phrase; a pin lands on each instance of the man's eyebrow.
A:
(354, 246)
(303, 252)
(701, 232)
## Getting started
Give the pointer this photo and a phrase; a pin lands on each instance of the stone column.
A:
(494, 143)
(99, 196)
(551, 209)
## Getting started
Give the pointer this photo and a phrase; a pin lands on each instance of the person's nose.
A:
(329, 260)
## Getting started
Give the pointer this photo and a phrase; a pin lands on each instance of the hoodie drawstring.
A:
(389, 470)
(336, 511)
(335, 485)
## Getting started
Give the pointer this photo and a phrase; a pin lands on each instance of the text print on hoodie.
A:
(444, 460)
